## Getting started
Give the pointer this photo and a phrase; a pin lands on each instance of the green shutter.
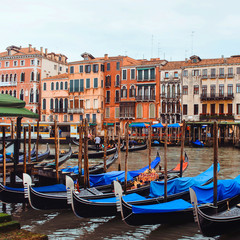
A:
(95, 82)
(71, 86)
(76, 85)
(81, 85)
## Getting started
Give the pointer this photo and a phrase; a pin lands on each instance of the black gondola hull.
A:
(11, 196)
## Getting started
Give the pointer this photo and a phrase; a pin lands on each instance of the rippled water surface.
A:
(63, 224)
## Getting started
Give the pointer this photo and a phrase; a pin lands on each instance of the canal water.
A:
(63, 224)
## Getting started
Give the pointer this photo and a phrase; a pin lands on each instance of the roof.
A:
(60, 76)
(13, 107)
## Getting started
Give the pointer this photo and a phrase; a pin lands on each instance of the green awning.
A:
(92, 124)
(145, 68)
(108, 124)
(13, 107)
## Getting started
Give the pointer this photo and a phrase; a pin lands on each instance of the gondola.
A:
(177, 211)
(41, 156)
(52, 164)
(106, 206)
(135, 148)
(221, 221)
(95, 169)
(177, 169)
(197, 144)
(41, 200)
(90, 147)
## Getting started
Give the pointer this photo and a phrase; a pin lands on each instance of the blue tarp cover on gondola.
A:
(128, 198)
(225, 189)
(176, 205)
(197, 142)
(51, 188)
(107, 178)
(180, 184)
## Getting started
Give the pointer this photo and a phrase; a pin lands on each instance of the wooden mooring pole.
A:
(119, 150)
(29, 143)
(80, 152)
(25, 149)
(126, 156)
(4, 156)
(182, 147)
(105, 150)
(56, 149)
(215, 161)
(165, 163)
(37, 142)
(149, 145)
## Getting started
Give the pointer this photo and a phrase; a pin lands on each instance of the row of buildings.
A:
(113, 90)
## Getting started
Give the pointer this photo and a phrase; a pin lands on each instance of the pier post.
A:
(80, 153)
(29, 143)
(119, 150)
(4, 155)
(37, 142)
(215, 161)
(105, 149)
(165, 164)
(126, 156)
(182, 146)
(56, 149)
(149, 145)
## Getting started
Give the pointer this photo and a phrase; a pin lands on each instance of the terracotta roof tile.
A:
(60, 76)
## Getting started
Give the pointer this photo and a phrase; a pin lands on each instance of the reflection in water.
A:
(63, 224)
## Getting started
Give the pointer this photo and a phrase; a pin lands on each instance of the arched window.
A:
(32, 76)
(10, 92)
(2, 78)
(51, 104)
(6, 91)
(163, 89)
(152, 110)
(22, 79)
(15, 93)
(52, 86)
(132, 91)
(56, 104)
(139, 111)
(178, 90)
(31, 96)
(168, 91)
(15, 77)
(61, 104)
(38, 76)
(2, 92)
(124, 92)
(37, 96)
(6, 79)
(22, 94)
(66, 104)
(61, 85)
(10, 78)
(66, 85)
(152, 93)
(44, 104)
(57, 85)
(117, 80)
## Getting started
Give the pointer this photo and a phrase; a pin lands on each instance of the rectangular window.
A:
(87, 68)
(107, 112)
(221, 109)
(140, 75)
(212, 90)
(238, 109)
(166, 75)
(101, 83)
(145, 74)
(185, 109)
(87, 103)
(95, 68)
(117, 112)
(88, 83)
(76, 85)
(102, 67)
(71, 86)
(132, 74)
(108, 66)
(71, 117)
(237, 88)
(152, 73)
(213, 112)
(185, 90)
(81, 68)
(44, 86)
(221, 72)
(124, 74)
(238, 70)
(185, 73)
(213, 72)
(176, 74)
(196, 89)
(94, 118)
(230, 89)
(95, 103)
(118, 66)
(195, 72)
(95, 83)
(71, 69)
(221, 90)
(204, 72)
(195, 109)
(230, 109)
(22, 62)
(88, 117)
(230, 72)
(6, 64)
(204, 108)
(15, 63)
(81, 85)
(108, 97)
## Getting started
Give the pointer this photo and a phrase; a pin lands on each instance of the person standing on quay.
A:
(97, 142)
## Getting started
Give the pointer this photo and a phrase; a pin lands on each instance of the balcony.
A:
(168, 96)
(230, 75)
(220, 116)
(216, 96)
(60, 110)
(221, 75)
(8, 84)
(127, 115)
(213, 76)
(75, 110)
(145, 98)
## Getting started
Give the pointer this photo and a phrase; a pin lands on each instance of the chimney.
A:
(41, 49)
(34, 49)
(30, 47)
(185, 60)
(222, 56)
(105, 56)
(46, 51)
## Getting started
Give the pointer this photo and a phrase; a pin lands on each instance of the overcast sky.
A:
(170, 29)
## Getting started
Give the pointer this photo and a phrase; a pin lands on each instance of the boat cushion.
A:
(128, 198)
(176, 205)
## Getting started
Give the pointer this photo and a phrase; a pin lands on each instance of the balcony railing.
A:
(216, 96)
(75, 110)
(127, 115)
(165, 95)
(60, 110)
(222, 116)
(8, 84)
(145, 97)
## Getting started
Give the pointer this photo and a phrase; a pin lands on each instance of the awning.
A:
(158, 125)
(145, 68)
(174, 125)
(92, 124)
(146, 125)
(108, 124)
